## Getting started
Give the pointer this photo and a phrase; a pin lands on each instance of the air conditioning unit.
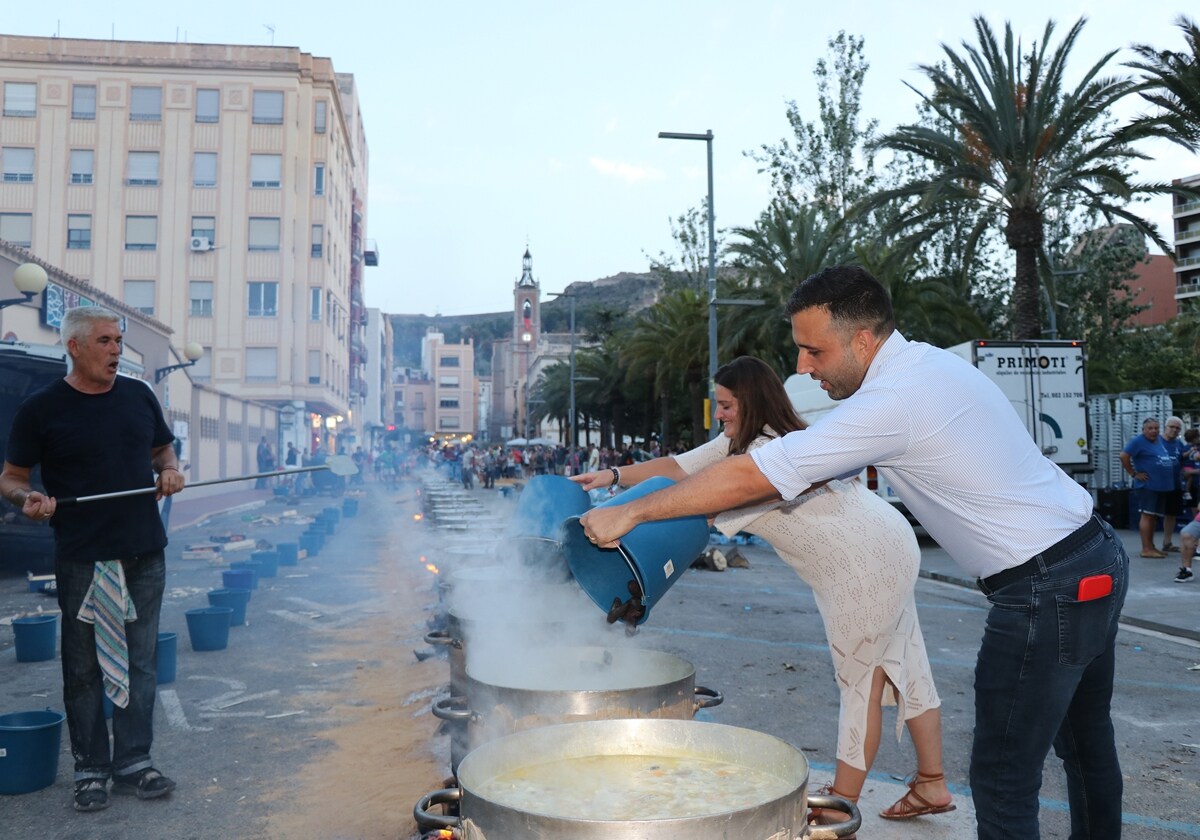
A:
(200, 243)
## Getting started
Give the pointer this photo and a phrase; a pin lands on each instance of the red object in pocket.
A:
(1093, 587)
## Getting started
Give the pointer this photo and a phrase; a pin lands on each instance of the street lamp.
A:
(30, 279)
(707, 137)
(191, 351)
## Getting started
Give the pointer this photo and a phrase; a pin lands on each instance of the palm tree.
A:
(1023, 143)
(1172, 82)
(669, 345)
(787, 244)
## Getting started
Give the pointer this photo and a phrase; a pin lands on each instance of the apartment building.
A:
(1186, 216)
(220, 189)
(451, 369)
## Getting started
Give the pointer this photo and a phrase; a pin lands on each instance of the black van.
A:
(25, 545)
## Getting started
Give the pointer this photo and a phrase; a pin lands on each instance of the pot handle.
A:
(835, 803)
(453, 708)
(711, 695)
(441, 637)
(429, 821)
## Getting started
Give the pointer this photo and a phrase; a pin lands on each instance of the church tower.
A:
(527, 318)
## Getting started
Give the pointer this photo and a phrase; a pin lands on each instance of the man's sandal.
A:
(912, 804)
(146, 783)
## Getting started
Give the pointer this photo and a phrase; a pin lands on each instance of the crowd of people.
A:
(1164, 462)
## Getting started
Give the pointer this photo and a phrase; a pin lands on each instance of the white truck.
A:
(1045, 383)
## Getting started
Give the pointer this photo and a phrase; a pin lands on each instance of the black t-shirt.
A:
(88, 444)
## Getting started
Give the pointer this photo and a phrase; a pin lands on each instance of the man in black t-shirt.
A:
(95, 432)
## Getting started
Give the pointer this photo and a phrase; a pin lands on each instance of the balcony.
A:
(1187, 236)
(1187, 262)
(1185, 208)
(371, 254)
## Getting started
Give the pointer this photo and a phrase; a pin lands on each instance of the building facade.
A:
(1186, 217)
(219, 189)
(451, 369)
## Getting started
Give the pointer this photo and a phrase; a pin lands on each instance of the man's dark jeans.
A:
(83, 689)
(1044, 678)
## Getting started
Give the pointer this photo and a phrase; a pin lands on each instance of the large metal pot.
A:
(574, 754)
(568, 684)
(506, 632)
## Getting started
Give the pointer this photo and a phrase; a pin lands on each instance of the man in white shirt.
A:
(1055, 574)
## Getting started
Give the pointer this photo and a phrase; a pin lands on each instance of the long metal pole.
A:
(572, 443)
(712, 297)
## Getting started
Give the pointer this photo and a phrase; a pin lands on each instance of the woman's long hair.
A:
(762, 401)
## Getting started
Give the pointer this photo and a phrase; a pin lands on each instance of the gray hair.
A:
(79, 322)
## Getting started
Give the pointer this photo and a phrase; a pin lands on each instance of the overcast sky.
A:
(496, 125)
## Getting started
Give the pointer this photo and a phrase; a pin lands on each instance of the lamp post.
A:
(191, 351)
(30, 279)
(707, 137)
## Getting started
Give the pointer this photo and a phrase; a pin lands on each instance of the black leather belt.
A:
(1029, 568)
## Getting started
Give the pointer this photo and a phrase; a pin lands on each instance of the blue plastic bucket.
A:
(626, 582)
(268, 562)
(29, 746)
(349, 508)
(545, 503)
(208, 627)
(289, 553)
(238, 578)
(332, 513)
(236, 599)
(168, 643)
(252, 566)
(35, 637)
(311, 544)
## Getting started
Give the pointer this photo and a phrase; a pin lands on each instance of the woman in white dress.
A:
(861, 559)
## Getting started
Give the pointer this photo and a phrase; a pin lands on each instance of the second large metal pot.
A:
(566, 684)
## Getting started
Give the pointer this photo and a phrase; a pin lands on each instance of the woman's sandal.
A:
(912, 804)
(820, 817)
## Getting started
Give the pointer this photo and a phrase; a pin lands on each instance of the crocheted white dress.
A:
(861, 559)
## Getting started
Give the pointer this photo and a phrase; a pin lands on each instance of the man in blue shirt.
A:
(1147, 461)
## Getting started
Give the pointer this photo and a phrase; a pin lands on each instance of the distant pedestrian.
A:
(1146, 460)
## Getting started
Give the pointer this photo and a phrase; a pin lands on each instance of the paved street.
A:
(315, 723)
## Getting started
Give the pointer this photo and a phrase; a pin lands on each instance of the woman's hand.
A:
(598, 480)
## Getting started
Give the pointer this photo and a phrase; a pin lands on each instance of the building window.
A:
(268, 107)
(263, 299)
(200, 298)
(141, 233)
(205, 226)
(314, 367)
(204, 169)
(82, 162)
(140, 295)
(143, 169)
(448, 423)
(319, 179)
(447, 403)
(79, 233)
(264, 233)
(17, 164)
(20, 99)
(145, 104)
(260, 364)
(318, 240)
(208, 105)
(320, 115)
(447, 381)
(17, 228)
(83, 102)
(449, 361)
(265, 171)
(201, 371)
(314, 303)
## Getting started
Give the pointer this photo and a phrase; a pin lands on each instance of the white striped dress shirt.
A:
(947, 439)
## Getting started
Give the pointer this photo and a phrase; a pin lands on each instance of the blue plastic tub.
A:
(268, 562)
(544, 505)
(236, 599)
(238, 579)
(626, 582)
(165, 655)
(35, 637)
(29, 746)
(208, 627)
(289, 553)
(252, 566)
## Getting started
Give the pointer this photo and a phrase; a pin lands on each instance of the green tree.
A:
(828, 163)
(1022, 141)
(1172, 82)
(688, 268)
